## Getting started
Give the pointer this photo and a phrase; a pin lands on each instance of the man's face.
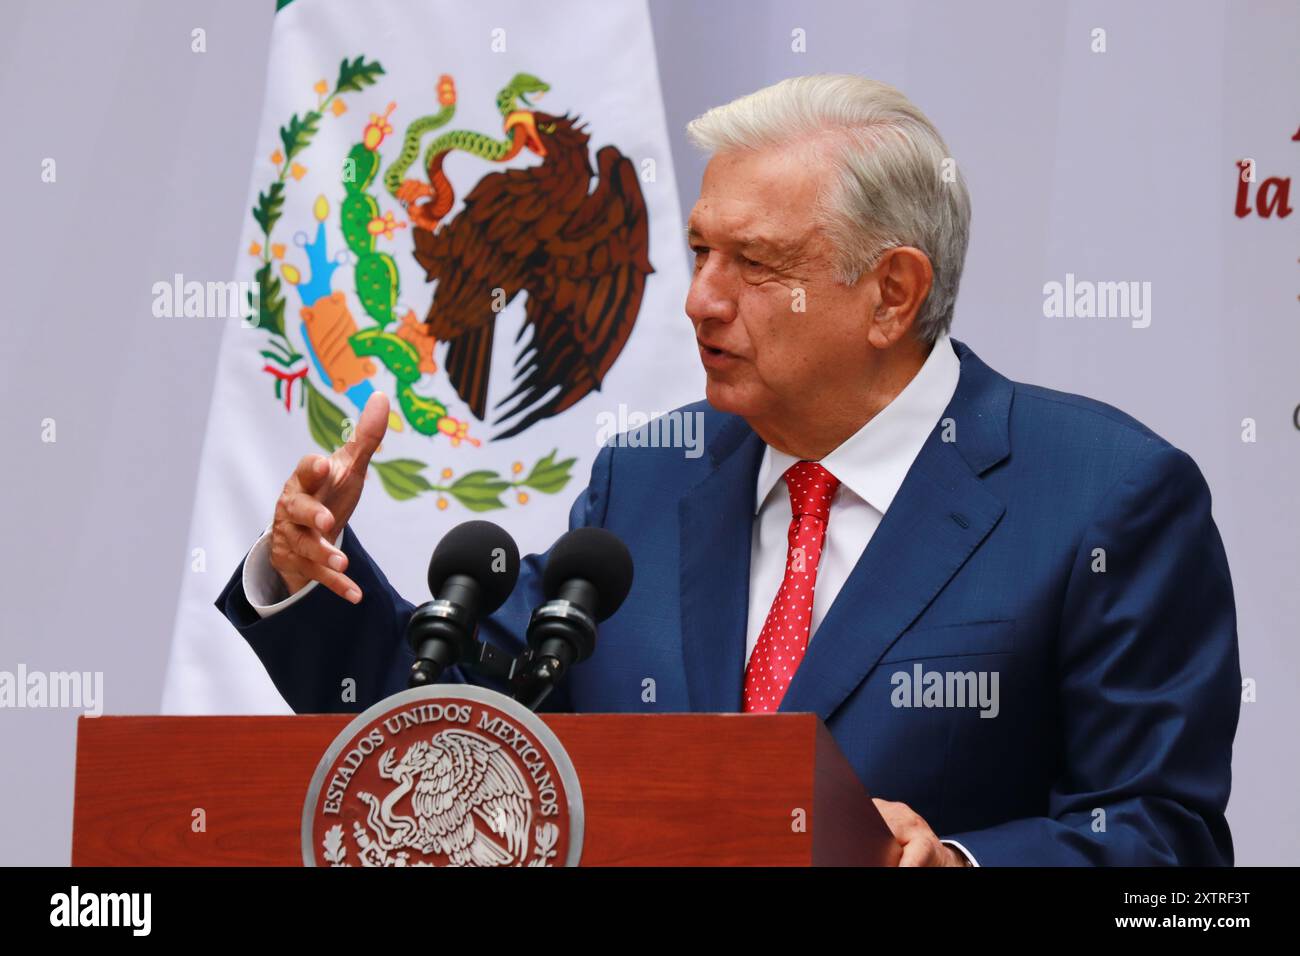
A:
(776, 332)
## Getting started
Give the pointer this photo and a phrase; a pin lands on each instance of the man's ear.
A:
(904, 276)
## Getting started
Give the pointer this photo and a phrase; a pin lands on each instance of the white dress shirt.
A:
(871, 465)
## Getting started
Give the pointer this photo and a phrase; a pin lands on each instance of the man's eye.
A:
(749, 263)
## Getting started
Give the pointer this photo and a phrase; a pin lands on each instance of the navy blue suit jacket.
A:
(1119, 688)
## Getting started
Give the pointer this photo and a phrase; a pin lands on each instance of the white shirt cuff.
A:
(962, 850)
(263, 587)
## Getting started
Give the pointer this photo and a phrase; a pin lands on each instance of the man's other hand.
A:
(921, 847)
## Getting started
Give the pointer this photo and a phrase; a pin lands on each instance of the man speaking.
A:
(1010, 606)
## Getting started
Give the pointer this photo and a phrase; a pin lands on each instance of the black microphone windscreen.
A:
(483, 551)
(596, 556)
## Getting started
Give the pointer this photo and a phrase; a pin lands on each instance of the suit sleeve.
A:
(312, 648)
(1149, 687)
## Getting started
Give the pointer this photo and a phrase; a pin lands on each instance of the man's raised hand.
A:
(316, 503)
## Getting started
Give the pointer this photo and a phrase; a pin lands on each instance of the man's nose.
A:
(712, 295)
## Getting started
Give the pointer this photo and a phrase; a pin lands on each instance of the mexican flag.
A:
(470, 207)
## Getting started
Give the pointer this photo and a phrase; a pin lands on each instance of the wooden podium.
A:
(658, 790)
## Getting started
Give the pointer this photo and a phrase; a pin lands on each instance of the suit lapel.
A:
(716, 520)
(940, 516)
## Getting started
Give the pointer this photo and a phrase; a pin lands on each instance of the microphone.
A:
(472, 572)
(587, 578)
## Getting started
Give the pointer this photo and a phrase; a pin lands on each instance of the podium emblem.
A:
(445, 775)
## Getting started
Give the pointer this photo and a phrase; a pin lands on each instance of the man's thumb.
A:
(370, 430)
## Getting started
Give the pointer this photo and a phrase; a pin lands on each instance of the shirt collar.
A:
(875, 459)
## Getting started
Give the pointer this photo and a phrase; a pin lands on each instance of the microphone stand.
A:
(527, 685)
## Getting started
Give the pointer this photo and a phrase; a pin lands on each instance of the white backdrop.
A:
(1114, 166)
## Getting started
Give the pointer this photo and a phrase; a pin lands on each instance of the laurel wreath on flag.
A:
(402, 478)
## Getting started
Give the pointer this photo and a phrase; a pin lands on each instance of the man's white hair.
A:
(896, 183)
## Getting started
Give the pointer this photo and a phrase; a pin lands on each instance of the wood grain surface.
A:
(658, 790)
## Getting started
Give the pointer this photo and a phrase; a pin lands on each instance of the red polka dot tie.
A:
(784, 638)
